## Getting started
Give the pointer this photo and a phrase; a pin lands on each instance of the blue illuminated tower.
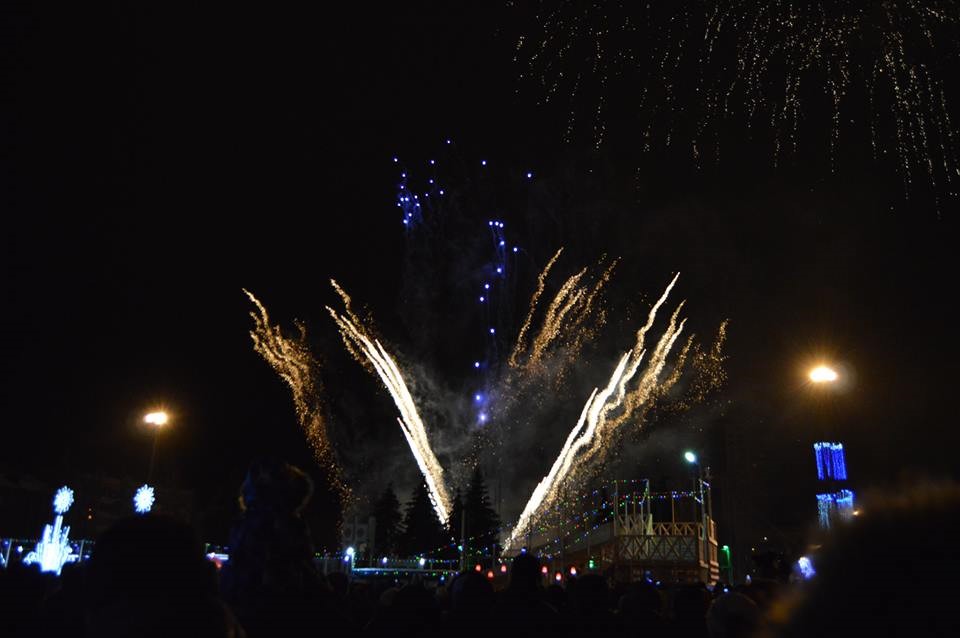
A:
(834, 500)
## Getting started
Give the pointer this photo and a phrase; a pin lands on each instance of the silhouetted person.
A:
(271, 580)
(148, 577)
(522, 606)
(411, 613)
(339, 584)
(63, 612)
(591, 605)
(640, 611)
(556, 597)
(733, 615)
(890, 572)
(690, 604)
(22, 589)
(471, 599)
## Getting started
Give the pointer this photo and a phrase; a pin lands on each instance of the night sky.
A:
(158, 160)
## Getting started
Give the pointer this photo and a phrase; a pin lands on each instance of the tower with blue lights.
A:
(834, 499)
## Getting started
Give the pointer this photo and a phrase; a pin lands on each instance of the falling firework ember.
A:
(777, 66)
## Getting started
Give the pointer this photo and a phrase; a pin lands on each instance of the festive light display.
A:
(805, 566)
(844, 501)
(831, 464)
(53, 550)
(833, 506)
(143, 499)
(62, 500)
(832, 467)
(825, 507)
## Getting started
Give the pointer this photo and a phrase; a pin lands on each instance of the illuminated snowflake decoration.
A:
(143, 499)
(806, 568)
(62, 500)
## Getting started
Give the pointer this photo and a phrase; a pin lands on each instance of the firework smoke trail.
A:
(592, 431)
(370, 350)
(292, 360)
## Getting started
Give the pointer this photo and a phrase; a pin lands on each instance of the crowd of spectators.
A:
(148, 576)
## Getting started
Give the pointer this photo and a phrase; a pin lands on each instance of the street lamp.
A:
(835, 500)
(823, 374)
(705, 517)
(157, 420)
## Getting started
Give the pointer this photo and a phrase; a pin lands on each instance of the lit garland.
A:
(581, 519)
(833, 505)
(831, 462)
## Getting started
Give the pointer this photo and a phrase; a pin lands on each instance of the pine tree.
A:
(482, 521)
(387, 512)
(423, 532)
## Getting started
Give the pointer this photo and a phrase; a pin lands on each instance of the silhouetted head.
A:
(471, 593)
(339, 583)
(276, 486)
(148, 577)
(872, 581)
(524, 573)
(149, 556)
(641, 600)
(557, 596)
(732, 615)
(690, 603)
(590, 595)
(414, 599)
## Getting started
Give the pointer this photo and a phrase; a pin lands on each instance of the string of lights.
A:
(576, 521)
(831, 462)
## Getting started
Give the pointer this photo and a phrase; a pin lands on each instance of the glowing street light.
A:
(691, 458)
(823, 374)
(156, 419)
